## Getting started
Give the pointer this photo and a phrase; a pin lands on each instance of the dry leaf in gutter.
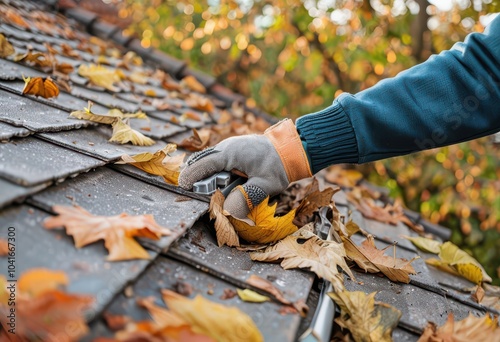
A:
(192, 83)
(100, 76)
(226, 235)
(39, 87)
(456, 261)
(312, 201)
(366, 319)
(262, 226)
(373, 260)
(6, 48)
(217, 321)
(118, 231)
(161, 163)
(470, 328)
(42, 309)
(304, 249)
(123, 133)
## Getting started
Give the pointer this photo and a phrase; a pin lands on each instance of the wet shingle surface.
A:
(49, 158)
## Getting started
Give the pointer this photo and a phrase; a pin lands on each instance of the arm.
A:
(452, 97)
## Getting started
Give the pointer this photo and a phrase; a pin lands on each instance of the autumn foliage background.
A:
(292, 57)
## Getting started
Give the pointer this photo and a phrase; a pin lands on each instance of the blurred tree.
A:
(293, 57)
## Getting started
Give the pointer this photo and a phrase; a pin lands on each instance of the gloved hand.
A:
(271, 161)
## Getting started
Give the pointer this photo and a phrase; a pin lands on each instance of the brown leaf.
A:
(116, 322)
(371, 259)
(267, 286)
(160, 163)
(64, 68)
(226, 235)
(116, 231)
(6, 48)
(39, 87)
(470, 328)
(304, 249)
(228, 294)
(192, 83)
(200, 103)
(37, 59)
(312, 201)
(366, 319)
(198, 141)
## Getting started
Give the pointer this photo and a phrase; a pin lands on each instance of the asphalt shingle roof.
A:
(47, 158)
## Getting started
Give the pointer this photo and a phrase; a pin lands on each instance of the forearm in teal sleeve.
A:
(450, 98)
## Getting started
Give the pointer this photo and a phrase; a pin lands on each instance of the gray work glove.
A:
(271, 161)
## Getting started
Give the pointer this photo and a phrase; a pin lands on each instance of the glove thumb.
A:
(243, 199)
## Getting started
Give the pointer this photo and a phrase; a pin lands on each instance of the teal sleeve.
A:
(450, 98)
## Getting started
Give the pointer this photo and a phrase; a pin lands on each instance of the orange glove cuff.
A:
(286, 140)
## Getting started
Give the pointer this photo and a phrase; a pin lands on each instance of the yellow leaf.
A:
(370, 258)
(37, 281)
(226, 235)
(150, 93)
(6, 48)
(303, 249)
(247, 295)
(425, 244)
(123, 133)
(463, 263)
(86, 114)
(160, 163)
(138, 77)
(366, 319)
(100, 76)
(470, 328)
(39, 87)
(222, 323)
(266, 227)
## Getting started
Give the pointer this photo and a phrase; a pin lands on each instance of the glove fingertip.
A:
(237, 203)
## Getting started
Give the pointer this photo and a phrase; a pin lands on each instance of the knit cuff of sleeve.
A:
(328, 137)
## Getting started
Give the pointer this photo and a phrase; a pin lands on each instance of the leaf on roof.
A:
(192, 83)
(129, 60)
(470, 328)
(190, 116)
(262, 226)
(161, 163)
(247, 295)
(37, 281)
(373, 260)
(39, 87)
(13, 17)
(425, 244)
(489, 296)
(222, 323)
(46, 313)
(268, 287)
(198, 141)
(200, 103)
(68, 51)
(123, 133)
(366, 319)
(6, 48)
(37, 59)
(139, 77)
(454, 260)
(64, 68)
(100, 76)
(303, 249)
(86, 114)
(118, 231)
(226, 235)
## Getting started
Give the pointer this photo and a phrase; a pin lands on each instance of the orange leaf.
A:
(192, 83)
(4, 247)
(37, 281)
(38, 87)
(116, 231)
